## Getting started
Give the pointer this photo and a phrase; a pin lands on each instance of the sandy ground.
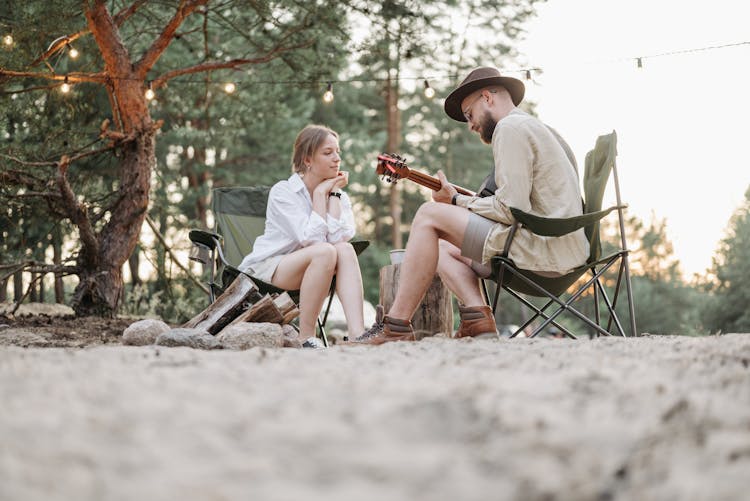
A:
(653, 418)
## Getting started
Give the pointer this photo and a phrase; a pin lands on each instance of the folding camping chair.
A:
(599, 163)
(240, 216)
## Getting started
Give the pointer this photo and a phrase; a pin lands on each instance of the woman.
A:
(309, 223)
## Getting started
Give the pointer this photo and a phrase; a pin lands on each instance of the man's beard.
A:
(486, 128)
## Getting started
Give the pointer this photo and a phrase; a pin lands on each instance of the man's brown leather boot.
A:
(476, 321)
(387, 329)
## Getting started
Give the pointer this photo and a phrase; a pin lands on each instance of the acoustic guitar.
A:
(393, 167)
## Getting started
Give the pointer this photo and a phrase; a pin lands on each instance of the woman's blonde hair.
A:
(307, 143)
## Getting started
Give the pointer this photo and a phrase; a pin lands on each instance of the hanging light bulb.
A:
(230, 87)
(328, 96)
(8, 40)
(72, 52)
(65, 87)
(149, 94)
(429, 92)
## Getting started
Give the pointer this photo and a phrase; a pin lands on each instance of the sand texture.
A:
(652, 418)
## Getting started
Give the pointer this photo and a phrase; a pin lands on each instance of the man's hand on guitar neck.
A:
(446, 191)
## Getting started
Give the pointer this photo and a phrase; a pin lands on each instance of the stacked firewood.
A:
(242, 302)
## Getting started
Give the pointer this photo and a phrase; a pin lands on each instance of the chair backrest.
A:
(599, 164)
(240, 217)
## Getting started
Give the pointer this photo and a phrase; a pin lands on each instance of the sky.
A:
(681, 120)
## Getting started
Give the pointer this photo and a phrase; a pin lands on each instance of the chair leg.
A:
(596, 307)
(629, 289)
(498, 288)
(485, 292)
(322, 323)
(323, 335)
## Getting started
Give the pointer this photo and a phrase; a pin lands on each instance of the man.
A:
(457, 235)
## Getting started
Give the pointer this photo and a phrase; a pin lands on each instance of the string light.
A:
(72, 52)
(328, 96)
(8, 40)
(229, 87)
(429, 92)
(65, 87)
(149, 94)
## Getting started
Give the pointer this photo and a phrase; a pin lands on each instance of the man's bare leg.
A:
(456, 272)
(434, 221)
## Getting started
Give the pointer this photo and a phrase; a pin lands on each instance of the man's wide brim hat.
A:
(480, 78)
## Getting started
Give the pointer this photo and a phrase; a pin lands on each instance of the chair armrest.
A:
(555, 226)
(206, 238)
(359, 245)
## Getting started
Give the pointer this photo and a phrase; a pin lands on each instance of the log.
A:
(227, 306)
(287, 307)
(263, 310)
(434, 314)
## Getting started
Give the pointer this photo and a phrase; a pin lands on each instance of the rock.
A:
(246, 335)
(291, 339)
(143, 332)
(192, 338)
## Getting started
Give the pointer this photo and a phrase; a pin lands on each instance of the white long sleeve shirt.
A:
(533, 172)
(292, 224)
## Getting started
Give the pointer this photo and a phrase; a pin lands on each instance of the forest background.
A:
(100, 184)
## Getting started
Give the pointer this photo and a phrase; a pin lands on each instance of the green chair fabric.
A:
(600, 164)
(240, 214)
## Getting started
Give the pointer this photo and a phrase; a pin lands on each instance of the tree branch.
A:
(161, 43)
(77, 212)
(125, 13)
(61, 42)
(75, 77)
(176, 261)
(224, 65)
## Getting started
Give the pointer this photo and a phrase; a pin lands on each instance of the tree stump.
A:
(434, 314)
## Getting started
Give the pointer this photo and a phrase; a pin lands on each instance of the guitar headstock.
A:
(392, 167)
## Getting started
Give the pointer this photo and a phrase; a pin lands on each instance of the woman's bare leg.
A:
(349, 288)
(310, 270)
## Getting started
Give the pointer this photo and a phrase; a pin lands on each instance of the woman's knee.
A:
(324, 254)
(345, 250)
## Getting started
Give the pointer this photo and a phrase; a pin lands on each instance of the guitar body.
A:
(394, 167)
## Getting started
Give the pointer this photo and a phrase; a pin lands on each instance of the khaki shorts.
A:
(472, 247)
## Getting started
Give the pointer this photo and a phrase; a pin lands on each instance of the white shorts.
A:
(264, 270)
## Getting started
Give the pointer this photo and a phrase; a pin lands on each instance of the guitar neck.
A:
(433, 183)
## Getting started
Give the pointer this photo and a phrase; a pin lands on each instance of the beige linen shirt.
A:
(534, 174)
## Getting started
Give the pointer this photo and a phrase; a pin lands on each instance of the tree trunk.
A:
(57, 260)
(133, 264)
(17, 286)
(100, 288)
(394, 142)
